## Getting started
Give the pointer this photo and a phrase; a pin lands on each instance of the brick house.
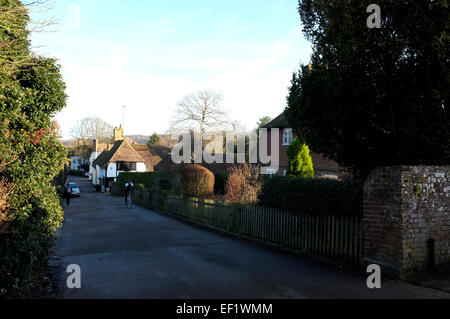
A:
(323, 167)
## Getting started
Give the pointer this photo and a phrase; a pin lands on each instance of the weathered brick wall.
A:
(404, 207)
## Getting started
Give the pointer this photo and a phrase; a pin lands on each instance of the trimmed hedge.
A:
(149, 180)
(313, 196)
(197, 181)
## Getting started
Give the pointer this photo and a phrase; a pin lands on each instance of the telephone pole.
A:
(123, 115)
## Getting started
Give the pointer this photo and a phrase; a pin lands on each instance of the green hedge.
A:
(313, 196)
(149, 180)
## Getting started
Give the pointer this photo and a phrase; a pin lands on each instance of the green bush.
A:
(165, 184)
(197, 181)
(150, 180)
(313, 196)
(220, 181)
(299, 161)
(139, 187)
(31, 94)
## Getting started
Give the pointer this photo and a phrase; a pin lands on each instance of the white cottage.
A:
(122, 157)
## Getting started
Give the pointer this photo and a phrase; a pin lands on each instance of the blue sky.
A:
(149, 54)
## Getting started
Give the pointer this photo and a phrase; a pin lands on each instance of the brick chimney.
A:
(118, 134)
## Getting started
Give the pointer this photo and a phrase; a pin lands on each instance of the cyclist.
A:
(129, 189)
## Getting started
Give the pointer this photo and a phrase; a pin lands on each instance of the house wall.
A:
(112, 170)
(283, 161)
(92, 158)
(141, 167)
(76, 162)
(98, 175)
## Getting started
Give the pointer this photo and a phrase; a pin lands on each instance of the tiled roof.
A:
(150, 160)
(120, 152)
(324, 164)
(279, 122)
(100, 160)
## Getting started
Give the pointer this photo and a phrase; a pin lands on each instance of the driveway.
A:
(138, 253)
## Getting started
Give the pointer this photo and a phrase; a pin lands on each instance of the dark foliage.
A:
(149, 180)
(375, 97)
(220, 181)
(313, 196)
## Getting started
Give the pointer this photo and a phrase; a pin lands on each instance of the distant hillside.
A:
(143, 139)
(140, 139)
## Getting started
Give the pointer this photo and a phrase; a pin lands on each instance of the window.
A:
(126, 167)
(287, 136)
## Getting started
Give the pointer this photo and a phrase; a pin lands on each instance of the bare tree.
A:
(91, 128)
(200, 111)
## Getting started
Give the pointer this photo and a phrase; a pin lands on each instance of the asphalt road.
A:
(137, 253)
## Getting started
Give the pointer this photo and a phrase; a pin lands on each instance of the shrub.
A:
(139, 187)
(165, 184)
(299, 161)
(219, 184)
(313, 196)
(31, 93)
(243, 185)
(148, 179)
(197, 181)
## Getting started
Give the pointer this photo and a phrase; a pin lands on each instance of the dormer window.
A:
(287, 136)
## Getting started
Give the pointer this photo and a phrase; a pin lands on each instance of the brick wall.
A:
(404, 207)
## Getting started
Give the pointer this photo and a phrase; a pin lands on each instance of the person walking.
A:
(67, 194)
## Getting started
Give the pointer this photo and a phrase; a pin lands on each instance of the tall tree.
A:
(375, 97)
(31, 93)
(91, 128)
(200, 111)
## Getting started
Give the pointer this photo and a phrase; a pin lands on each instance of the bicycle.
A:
(129, 200)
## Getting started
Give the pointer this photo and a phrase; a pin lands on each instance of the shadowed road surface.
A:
(138, 253)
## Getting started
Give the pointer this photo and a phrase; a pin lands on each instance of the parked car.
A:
(75, 190)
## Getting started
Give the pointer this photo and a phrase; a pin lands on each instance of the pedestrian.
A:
(67, 194)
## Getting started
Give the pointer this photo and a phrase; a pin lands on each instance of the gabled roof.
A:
(279, 122)
(100, 160)
(120, 152)
(147, 155)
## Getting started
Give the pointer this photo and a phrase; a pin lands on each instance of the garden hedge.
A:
(313, 196)
(150, 180)
(197, 181)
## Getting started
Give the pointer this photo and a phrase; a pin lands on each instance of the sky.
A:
(148, 55)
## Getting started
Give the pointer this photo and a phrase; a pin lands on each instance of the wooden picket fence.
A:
(337, 237)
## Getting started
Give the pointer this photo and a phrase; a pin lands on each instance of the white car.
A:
(75, 190)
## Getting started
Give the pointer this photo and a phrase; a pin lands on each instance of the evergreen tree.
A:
(299, 161)
(31, 93)
(154, 140)
(375, 97)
